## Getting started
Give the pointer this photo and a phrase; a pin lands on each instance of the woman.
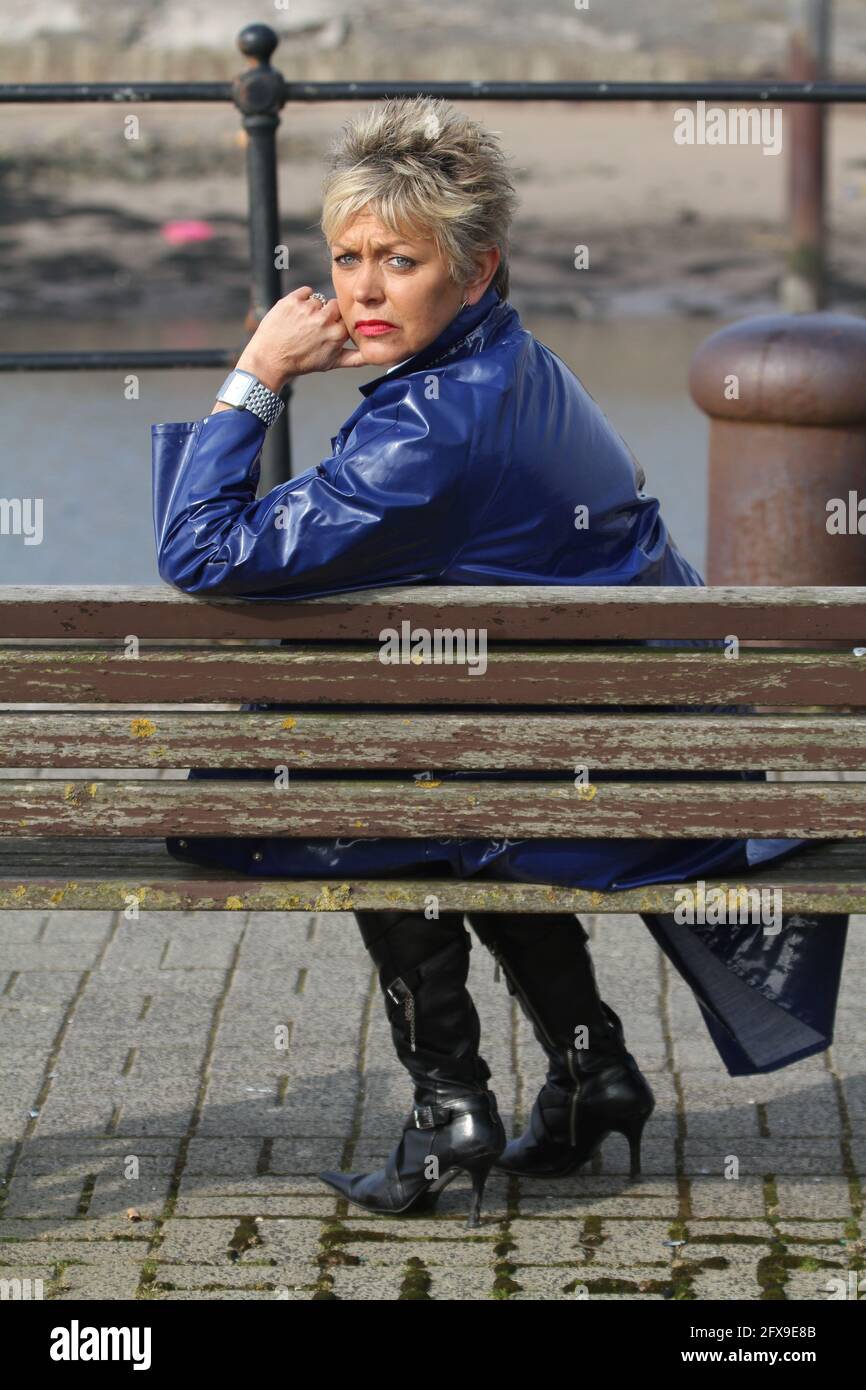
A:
(466, 462)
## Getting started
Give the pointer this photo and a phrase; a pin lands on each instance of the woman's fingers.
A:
(302, 334)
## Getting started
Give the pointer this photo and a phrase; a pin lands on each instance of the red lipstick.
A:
(371, 328)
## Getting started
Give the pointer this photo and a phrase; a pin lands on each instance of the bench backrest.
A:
(506, 689)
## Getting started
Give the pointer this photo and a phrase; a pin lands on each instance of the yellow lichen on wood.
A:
(233, 904)
(142, 728)
(586, 791)
(337, 899)
(289, 722)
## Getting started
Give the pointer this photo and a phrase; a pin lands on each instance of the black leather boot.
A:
(592, 1088)
(454, 1125)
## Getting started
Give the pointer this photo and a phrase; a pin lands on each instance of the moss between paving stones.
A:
(416, 1281)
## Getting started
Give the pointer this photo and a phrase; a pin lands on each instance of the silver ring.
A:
(317, 295)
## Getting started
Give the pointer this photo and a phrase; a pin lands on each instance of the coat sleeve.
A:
(392, 507)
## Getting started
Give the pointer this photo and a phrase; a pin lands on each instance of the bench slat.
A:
(514, 675)
(520, 741)
(107, 875)
(510, 611)
(415, 809)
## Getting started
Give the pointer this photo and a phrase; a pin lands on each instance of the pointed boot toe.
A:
(341, 1181)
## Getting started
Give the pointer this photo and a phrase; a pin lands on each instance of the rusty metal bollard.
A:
(786, 396)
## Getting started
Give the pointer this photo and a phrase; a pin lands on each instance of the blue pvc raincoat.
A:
(467, 464)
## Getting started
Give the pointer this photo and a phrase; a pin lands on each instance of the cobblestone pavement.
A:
(142, 1075)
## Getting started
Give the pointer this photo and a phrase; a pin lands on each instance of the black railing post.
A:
(259, 94)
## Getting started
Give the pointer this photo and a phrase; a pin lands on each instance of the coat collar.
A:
(460, 327)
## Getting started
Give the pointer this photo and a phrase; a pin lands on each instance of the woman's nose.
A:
(368, 285)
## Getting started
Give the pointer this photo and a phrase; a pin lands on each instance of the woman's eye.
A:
(346, 256)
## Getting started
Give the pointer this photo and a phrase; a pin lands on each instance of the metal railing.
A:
(259, 93)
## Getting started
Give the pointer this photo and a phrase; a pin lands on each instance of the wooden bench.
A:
(88, 794)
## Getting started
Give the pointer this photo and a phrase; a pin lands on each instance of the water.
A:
(72, 439)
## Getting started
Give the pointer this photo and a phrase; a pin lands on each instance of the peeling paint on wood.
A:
(526, 810)
(515, 675)
(66, 867)
(450, 740)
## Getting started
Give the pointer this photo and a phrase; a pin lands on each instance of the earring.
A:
(463, 305)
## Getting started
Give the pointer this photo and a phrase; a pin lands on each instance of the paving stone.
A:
(734, 1282)
(45, 991)
(77, 926)
(760, 1156)
(116, 1279)
(307, 1205)
(814, 1286)
(804, 1231)
(37, 1274)
(204, 1241)
(743, 1196)
(305, 1155)
(820, 1197)
(222, 1156)
(641, 1243)
(365, 1284)
(56, 955)
(467, 1284)
(284, 1275)
(21, 927)
(54, 1252)
(48, 1228)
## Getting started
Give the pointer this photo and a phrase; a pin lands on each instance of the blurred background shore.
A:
(680, 239)
(689, 231)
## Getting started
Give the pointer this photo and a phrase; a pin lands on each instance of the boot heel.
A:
(633, 1131)
(478, 1170)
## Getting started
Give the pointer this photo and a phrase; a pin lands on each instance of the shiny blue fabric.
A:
(465, 464)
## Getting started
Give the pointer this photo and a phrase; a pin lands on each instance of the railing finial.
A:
(258, 41)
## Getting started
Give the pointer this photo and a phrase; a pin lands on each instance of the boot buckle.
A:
(429, 1116)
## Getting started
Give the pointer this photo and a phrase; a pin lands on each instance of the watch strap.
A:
(259, 399)
(264, 402)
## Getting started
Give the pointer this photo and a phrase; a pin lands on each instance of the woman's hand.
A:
(297, 335)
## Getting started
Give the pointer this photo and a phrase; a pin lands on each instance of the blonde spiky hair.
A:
(421, 167)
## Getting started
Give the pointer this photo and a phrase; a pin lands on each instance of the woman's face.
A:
(399, 281)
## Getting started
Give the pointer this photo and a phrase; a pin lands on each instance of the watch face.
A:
(237, 388)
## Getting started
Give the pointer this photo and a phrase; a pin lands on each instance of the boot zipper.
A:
(554, 1046)
(399, 990)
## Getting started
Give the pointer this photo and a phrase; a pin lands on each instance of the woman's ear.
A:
(487, 265)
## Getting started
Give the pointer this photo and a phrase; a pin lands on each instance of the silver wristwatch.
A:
(245, 392)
